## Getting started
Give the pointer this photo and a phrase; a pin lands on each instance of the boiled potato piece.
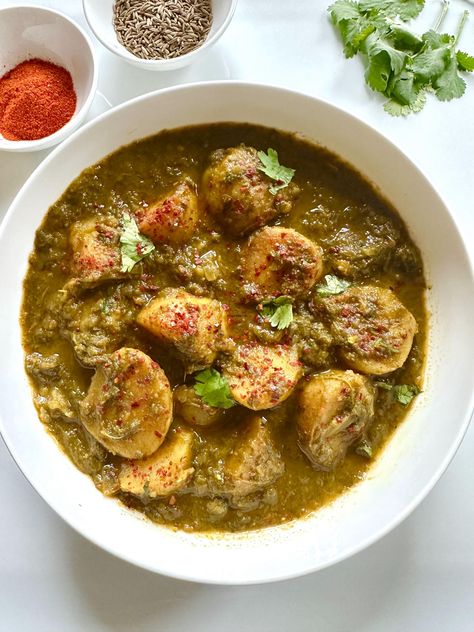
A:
(192, 409)
(165, 472)
(195, 326)
(173, 218)
(279, 261)
(237, 194)
(335, 409)
(374, 330)
(262, 377)
(128, 407)
(254, 463)
(96, 253)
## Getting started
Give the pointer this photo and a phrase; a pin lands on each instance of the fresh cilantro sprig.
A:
(133, 245)
(400, 64)
(213, 388)
(403, 393)
(272, 168)
(332, 285)
(278, 311)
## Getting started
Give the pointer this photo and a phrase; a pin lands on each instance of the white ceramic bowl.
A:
(415, 457)
(99, 14)
(27, 32)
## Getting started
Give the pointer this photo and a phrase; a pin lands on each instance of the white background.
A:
(421, 576)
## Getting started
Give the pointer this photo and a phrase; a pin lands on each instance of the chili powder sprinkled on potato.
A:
(37, 98)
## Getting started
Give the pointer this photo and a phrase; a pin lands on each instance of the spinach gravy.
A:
(223, 325)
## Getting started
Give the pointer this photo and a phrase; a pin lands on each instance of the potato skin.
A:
(335, 408)
(254, 463)
(373, 329)
(195, 326)
(280, 261)
(262, 377)
(166, 472)
(173, 218)
(191, 408)
(128, 407)
(95, 250)
(237, 194)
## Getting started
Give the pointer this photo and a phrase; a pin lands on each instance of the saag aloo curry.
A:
(223, 325)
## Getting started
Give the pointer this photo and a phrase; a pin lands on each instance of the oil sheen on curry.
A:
(223, 325)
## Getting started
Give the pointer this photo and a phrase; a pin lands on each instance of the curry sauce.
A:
(74, 327)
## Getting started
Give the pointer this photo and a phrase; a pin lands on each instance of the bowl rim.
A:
(77, 117)
(124, 54)
(436, 474)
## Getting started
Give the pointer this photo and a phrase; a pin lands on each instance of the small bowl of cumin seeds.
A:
(158, 34)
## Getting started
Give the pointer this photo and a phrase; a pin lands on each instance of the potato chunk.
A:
(165, 472)
(128, 407)
(374, 330)
(195, 326)
(335, 409)
(254, 463)
(173, 218)
(192, 409)
(96, 254)
(262, 377)
(279, 261)
(238, 194)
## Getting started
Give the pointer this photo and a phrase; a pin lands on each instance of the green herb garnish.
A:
(400, 64)
(403, 393)
(213, 388)
(332, 285)
(272, 168)
(364, 448)
(133, 245)
(278, 311)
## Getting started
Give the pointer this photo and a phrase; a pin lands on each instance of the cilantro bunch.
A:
(400, 64)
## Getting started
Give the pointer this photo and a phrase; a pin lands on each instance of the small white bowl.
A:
(99, 14)
(29, 32)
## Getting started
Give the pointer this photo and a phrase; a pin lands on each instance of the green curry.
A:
(218, 342)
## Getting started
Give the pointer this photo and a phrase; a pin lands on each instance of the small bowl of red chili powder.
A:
(48, 77)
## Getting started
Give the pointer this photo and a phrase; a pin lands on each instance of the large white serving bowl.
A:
(415, 457)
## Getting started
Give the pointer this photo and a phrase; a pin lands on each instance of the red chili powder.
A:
(36, 99)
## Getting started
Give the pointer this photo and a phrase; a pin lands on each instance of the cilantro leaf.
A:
(344, 10)
(465, 61)
(133, 245)
(213, 388)
(404, 393)
(395, 108)
(430, 63)
(272, 168)
(450, 85)
(278, 311)
(403, 89)
(333, 285)
(403, 39)
(405, 9)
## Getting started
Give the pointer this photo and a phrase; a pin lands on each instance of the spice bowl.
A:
(32, 32)
(100, 16)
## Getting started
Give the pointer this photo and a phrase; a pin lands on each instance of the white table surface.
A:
(421, 576)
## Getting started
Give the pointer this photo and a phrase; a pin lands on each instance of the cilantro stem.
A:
(462, 23)
(442, 15)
